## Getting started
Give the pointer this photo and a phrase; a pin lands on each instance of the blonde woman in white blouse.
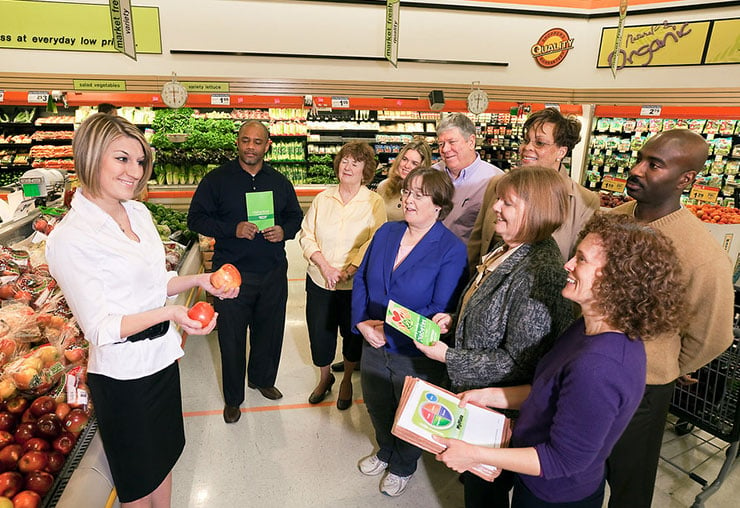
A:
(108, 259)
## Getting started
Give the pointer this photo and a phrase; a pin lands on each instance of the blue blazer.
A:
(428, 281)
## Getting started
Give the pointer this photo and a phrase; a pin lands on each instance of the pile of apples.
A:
(35, 439)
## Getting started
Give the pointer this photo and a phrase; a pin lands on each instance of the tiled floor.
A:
(291, 454)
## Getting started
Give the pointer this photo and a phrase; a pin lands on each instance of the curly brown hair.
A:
(641, 289)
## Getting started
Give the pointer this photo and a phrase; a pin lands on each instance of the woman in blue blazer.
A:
(420, 264)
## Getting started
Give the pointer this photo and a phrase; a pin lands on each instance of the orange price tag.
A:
(704, 193)
(609, 183)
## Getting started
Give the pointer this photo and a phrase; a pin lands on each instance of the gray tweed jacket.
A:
(511, 320)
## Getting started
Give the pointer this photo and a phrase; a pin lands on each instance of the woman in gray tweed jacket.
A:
(512, 312)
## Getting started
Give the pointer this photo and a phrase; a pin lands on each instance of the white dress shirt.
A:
(104, 276)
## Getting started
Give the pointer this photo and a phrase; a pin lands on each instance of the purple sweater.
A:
(584, 392)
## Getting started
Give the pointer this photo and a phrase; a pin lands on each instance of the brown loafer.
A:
(232, 414)
(269, 392)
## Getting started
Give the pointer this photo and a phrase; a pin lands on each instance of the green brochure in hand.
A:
(260, 209)
(422, 329)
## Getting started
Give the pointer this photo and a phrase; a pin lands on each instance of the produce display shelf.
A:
(73, 460)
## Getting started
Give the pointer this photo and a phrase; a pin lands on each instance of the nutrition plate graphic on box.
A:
(441, 416)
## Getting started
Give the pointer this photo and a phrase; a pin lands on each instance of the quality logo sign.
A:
(552, 47)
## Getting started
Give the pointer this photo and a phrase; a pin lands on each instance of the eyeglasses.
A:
(535, 142)
(416, 195)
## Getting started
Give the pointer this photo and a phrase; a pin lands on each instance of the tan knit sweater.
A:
(709, 299)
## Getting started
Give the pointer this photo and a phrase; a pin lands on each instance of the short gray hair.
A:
(457, 120)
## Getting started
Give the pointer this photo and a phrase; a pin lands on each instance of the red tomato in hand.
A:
(203, 312)
(226, 277)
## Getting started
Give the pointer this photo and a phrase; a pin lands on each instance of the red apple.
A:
(24, 432)
(32, 461)
(6, 438)
(40, 224)
(75, 354)
(27, 416)
(7, 346)
(43, 405)
(226, 277)
(76, 421)
(17, 405)
(10, 483)
(64, 443)
(9, 457)
(26, 499)
(203, 312)
(36, 444)
(7, 421)
(62, 410)
(39, 482)
(48, 426)
(56, 462)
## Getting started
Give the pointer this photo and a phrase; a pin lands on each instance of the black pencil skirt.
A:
(140, 424)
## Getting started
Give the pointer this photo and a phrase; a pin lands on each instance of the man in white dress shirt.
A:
(469, 174)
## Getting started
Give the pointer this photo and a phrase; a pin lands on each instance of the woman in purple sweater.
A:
(586, 389)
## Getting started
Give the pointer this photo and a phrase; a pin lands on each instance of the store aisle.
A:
(287, 453)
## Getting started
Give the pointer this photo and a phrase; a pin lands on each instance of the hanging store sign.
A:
(99, 85)
(620, 32)
(392, 15)
(122, 26)
(62, 26)
(552, 47)
(671, 43)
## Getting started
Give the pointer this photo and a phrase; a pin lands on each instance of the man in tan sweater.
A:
(666, 165)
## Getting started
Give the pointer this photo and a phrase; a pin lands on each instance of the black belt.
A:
(153, 332)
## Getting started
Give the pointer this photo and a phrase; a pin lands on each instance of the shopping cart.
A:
(709, 412)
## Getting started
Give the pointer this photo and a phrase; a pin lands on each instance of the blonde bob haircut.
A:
(91, 141)
(545, 197)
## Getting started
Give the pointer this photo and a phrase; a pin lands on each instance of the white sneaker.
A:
(372, 465)
(394, 485)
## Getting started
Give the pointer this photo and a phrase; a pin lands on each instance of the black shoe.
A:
(232, 414)
(339, 367)
(315, 398)
(343, 404)
(269, 392)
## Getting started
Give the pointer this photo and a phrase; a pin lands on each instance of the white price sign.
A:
(220, 99)
(339, 102)
(2, 95)
(650, 110)
(38, 97)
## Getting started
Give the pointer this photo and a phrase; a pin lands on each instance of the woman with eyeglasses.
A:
(414, 155)
(422, 265)
(334, 235)
(511, 312)
(548, 138)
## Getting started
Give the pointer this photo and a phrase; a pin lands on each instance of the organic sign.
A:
(72, 27)
(672, 43)
(552, 47)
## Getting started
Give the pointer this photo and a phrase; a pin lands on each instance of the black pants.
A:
(325, 312)
(382, 377)
(480, 493)
(260, 307)
(633, 463)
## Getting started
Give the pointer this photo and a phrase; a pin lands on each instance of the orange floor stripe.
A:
(262, 409)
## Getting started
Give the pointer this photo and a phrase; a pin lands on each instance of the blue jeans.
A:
(382, 375)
